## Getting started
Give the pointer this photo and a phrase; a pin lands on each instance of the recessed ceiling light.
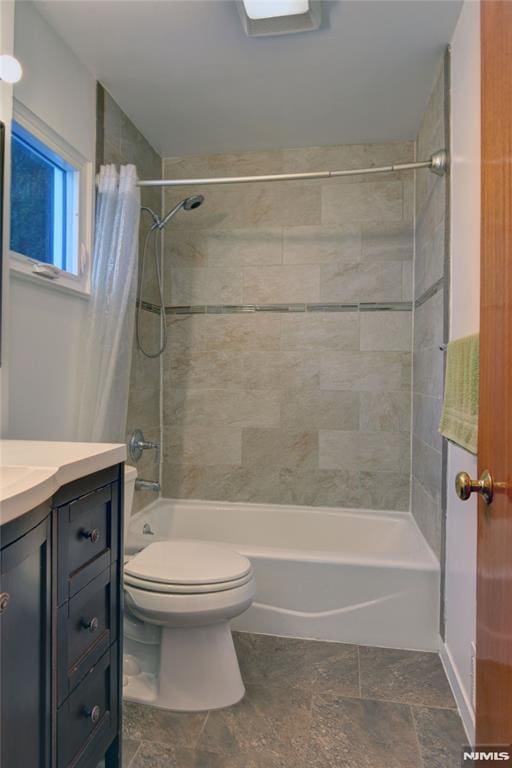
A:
(279, 17)
(269, 9)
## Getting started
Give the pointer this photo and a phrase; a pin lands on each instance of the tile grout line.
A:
(201, 730)
(135, 754)
(415, 729)
(359, 672)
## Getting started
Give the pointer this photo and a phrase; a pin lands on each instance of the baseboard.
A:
(464, 705)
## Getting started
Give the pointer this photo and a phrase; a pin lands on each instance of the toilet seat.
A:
(184, 566)
(185, 589)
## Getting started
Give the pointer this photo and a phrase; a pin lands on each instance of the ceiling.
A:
(192, 82)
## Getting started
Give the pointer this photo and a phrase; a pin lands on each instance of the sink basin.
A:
(23, 486)
(12, 477)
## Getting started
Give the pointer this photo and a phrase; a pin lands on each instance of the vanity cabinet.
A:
(60, 628)
(25, 641)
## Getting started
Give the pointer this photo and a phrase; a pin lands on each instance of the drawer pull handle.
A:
(93, 536)
(4, 601)
(92, 713)
(90, 624)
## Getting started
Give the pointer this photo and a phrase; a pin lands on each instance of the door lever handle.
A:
(465, 486)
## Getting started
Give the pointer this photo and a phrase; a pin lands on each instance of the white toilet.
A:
(191, 589)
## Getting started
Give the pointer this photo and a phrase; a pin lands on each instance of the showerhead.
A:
(189, 204)
(193, 202)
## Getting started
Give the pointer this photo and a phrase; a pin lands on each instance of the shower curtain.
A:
(108, 333)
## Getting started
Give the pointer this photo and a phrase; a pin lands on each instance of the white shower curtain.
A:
(105, 365)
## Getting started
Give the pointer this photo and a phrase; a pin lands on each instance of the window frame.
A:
(40, 272)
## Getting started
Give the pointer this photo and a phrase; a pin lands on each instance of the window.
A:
(44, 199)
(50, 206)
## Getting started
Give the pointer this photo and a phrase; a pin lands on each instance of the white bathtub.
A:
(344, 575)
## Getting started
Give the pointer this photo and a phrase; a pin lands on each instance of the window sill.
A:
(23, 271)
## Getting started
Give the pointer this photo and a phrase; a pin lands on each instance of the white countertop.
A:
(31, 471)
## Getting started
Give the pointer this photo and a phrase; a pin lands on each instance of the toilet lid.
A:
(185, 589)
(183, 561)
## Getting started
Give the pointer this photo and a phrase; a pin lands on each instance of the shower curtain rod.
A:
(438, 164)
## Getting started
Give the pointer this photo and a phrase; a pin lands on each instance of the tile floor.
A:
(310, 705)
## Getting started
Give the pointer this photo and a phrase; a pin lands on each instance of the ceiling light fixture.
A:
(269, 9)
(10, 69)
(279, 17)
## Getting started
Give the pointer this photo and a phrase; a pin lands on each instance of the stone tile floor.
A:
(310, 705)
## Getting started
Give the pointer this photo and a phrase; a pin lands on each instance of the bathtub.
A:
(345, 575)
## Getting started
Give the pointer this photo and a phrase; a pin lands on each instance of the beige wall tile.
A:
(279, 448)
(346, 156)
(364, 451)
(247, 395)
(222, 407)
(387, 240)
(385, 490)
(320, 331)
(246, 163)
(253, 205)
(320, 487)
(190, 166)
(202, 370)
(317, 409)
(428, 514)
(427, 416)
(385, 411)
(184, 248)
(428, 323)
(248, 246)
(186, 332)
(366, 281)
(283, 370)
(427, 467)
(407, 275)
(386, 331)
(244, 332)
(286, 284)
(367, 201)
(204, 446)
(321, 244)
(206, 286)
(361, 371)
(223, 482)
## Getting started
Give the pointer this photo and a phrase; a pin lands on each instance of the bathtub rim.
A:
(427, 562)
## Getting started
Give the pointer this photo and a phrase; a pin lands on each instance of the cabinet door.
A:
(25, 637)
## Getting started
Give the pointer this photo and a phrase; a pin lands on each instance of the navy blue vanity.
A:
(60, 628)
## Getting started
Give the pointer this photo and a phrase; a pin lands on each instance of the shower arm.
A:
(437, 164)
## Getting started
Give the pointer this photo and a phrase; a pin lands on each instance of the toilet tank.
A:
(130, 475)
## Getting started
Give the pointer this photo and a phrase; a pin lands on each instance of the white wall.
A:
(55, 84)
(47, 326)
(460, 605)
(6, 46)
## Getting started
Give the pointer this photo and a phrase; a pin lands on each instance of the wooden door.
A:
(494, 580)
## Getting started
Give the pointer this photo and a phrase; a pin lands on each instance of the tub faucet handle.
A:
(137, 444)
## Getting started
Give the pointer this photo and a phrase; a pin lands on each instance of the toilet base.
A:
(198, 668)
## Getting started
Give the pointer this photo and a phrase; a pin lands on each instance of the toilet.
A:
(191, 590)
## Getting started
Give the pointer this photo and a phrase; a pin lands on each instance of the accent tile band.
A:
(239, 309)
(437, 286)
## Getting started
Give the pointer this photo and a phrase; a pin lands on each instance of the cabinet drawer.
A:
(87, 721)
(87, 539)
(87, 625)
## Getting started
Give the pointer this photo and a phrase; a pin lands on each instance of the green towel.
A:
(459, 419)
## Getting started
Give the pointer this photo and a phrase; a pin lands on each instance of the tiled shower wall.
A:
(119, 142)
(308, 399)
(431, 303)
